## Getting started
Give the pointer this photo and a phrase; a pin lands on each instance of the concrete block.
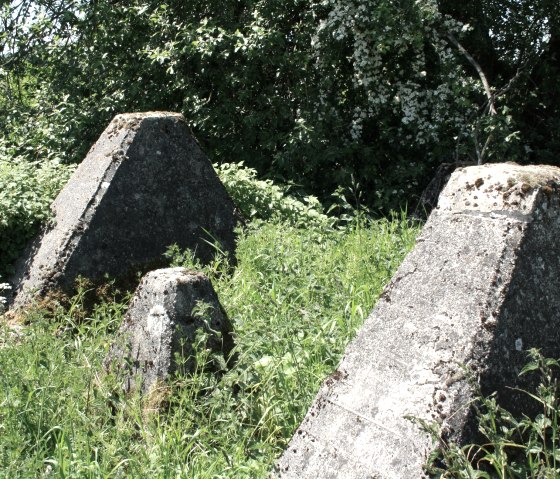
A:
(144, 185)
(479, 289)
(161, 326)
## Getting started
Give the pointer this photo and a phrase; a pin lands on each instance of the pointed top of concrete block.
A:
(144, 186)
(498, 189)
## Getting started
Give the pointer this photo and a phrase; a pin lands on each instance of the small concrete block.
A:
(479, 289)
(144, 186)
(161, 326)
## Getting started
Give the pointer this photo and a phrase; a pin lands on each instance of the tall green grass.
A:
(296, 297)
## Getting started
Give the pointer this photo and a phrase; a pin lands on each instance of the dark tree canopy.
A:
(365, 94)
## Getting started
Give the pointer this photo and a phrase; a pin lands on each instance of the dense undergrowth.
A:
(303, 285)
(296, 298)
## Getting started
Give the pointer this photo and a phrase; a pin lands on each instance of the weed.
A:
(296, 297)
(512, 448)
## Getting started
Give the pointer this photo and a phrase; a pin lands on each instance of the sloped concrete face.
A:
(143, 186)
(480, 288)
(168, 308)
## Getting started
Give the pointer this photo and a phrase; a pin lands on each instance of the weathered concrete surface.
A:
(481, 287)
(161, 325)
(143, 186)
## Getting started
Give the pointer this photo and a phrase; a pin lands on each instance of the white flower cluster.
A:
(4, 288)
(390, 72)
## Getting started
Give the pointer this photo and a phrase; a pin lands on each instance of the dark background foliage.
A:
(370, 96)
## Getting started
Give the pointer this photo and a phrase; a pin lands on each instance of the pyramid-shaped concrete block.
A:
(159, 333)
(143, 186)
(480, 288)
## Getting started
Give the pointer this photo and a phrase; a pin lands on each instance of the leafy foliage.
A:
(511, 448)
(515, 45)
(265, 200)
(26, 192)
(310, 92)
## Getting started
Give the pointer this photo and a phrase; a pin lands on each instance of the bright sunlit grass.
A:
(296, 297)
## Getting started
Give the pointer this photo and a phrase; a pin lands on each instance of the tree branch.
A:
(476, 65)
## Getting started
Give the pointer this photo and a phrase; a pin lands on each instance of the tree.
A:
(515, 44)
(364, 94)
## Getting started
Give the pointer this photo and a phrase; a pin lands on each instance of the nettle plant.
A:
(26, 192)
(265, 200)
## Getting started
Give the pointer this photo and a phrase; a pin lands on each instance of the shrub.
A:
(265, 200)
(26, 191)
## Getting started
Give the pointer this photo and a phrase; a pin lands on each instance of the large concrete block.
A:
(481, 287)
(143, 186)
(161, 325)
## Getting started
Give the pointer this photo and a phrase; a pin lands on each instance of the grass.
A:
(296, 298)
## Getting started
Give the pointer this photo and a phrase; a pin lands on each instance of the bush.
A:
(26, 192)
(264, 200)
